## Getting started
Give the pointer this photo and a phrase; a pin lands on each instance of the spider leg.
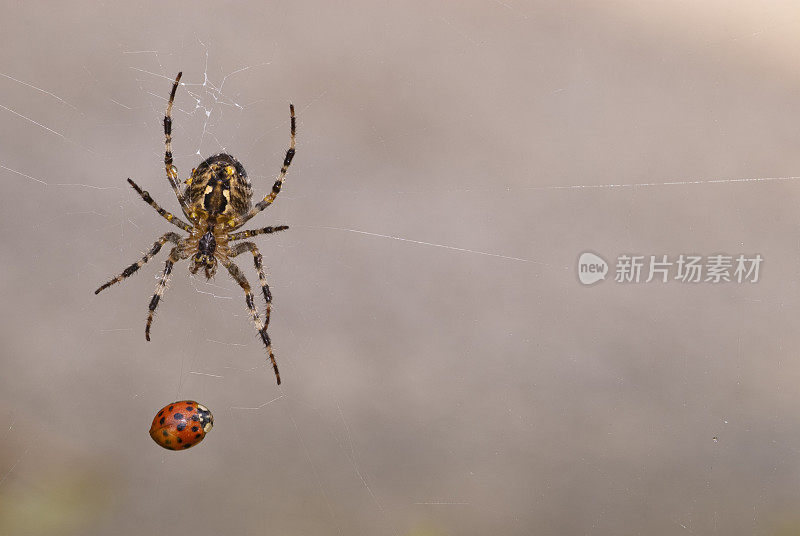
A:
(130, 270)
(256, 232)
(172, 171)
(174, 256)
(237, 274)
(167, 215)
(262, 279)
(276, 188)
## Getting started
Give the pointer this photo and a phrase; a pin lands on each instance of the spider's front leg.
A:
(133, 268)
(174, 256)
(237, 275)
(262, 278)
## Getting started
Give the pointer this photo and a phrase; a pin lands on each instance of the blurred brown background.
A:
(459, 381)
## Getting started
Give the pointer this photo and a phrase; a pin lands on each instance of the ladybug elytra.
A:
(181, 425)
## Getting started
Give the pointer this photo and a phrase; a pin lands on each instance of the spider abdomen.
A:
(219, 187)
(217, 193)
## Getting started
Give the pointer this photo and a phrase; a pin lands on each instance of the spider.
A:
(217, 200)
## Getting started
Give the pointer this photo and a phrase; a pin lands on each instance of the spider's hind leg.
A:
(255, 232)
(172, 172)
(276, 188)
(164, 214)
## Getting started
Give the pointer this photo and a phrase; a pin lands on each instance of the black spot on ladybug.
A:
(195, 428)
(160, 413)
(167, 441)
(178, 416)
(170, 408)
(197, 435)
(195, 418)
(187, 446)
(189, 408)
(180, 440)
(165, 433)
(161, 421)
(181, 426)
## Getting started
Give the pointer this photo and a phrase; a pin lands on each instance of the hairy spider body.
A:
(217, 200)
(217, 192)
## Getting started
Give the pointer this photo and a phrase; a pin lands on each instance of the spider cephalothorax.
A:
(217, 200)
(204, 258)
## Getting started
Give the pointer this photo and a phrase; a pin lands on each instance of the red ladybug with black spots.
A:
(181, 425)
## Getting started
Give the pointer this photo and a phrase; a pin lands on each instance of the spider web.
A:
(444, 372)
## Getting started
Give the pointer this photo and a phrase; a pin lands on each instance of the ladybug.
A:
(181, 425)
